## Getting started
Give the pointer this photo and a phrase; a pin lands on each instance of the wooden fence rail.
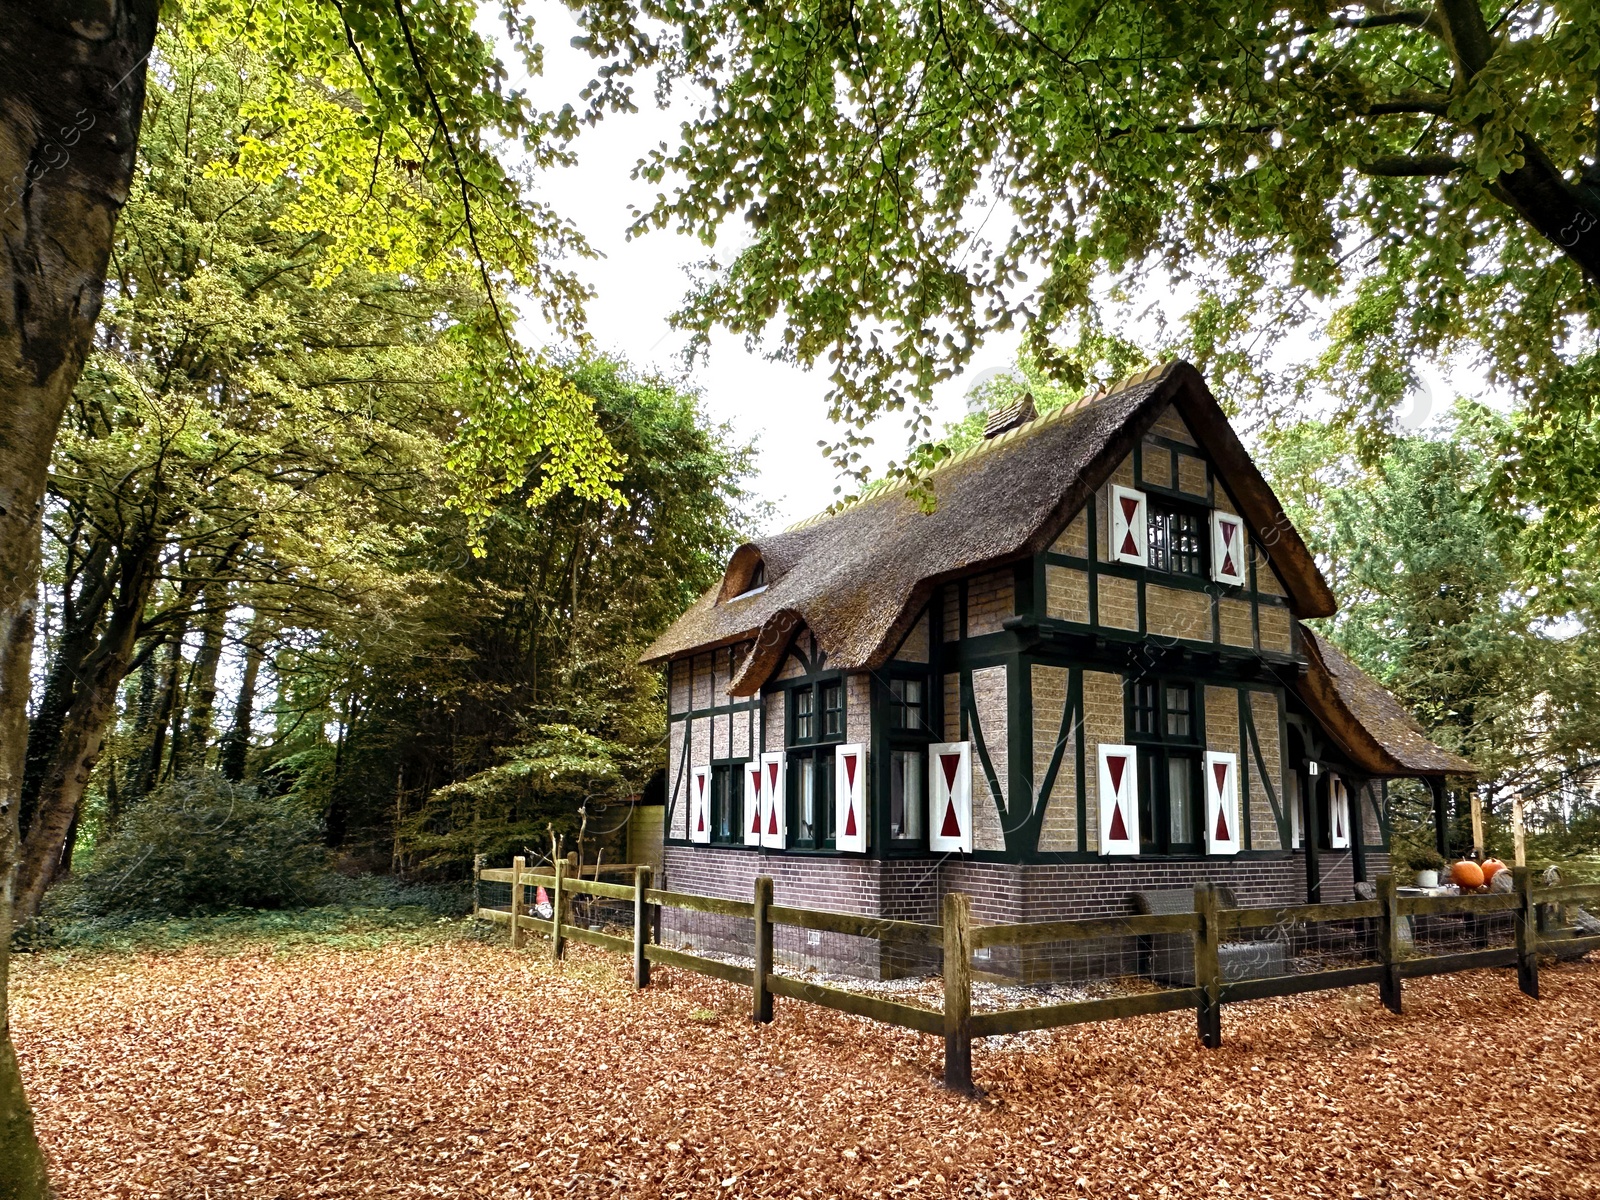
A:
(1381, 921)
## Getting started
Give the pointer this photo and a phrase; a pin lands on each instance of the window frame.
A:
(1158, 749)
(1159, 514)
(900, 738)
(727, 803)
(816, 747)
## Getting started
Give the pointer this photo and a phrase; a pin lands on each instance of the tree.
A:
(1438, 602)
(916, 175)
(400, 158)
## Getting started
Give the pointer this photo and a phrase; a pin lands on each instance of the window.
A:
(832, 709)
(1165, 727)
(811, 798)
(905, 704)
(727, 806)
(805, 701)
(908, 800)
(1177, 541)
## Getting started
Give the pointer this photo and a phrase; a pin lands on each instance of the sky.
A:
(779, 406)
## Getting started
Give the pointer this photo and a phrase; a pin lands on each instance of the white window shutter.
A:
(752, 772)
(1119, 800)
(1227, 548)
(850, 797)
(1223, 831)
(774, 807)
(1338, 814)
(950, 797)
(700, 804)
(1129, 527)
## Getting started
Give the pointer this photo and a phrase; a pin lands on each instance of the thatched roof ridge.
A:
(1371, 726)
(858, 578)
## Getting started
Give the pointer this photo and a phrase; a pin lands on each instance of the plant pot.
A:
(1427, 879)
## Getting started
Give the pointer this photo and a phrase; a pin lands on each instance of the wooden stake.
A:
(760, 994)
(1477, 827)
(1527, 933)
(519, 935)
(1389, 943)
(1208, 966)
(1519, 834)
(958, 993)
(557, 910)
(641, 927)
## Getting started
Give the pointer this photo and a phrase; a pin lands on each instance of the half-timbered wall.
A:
(704, 724)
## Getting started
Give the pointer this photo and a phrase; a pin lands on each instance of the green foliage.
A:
(915, 176)
(1439, 602)
(204, 845)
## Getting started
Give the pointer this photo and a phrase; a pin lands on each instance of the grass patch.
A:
(362, 913)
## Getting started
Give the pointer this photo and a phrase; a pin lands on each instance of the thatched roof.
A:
(858, 579)
(1370, 725)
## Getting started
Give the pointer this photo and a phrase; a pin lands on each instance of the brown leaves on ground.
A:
(469, 1070)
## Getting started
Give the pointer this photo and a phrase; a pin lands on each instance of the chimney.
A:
(1018, 412)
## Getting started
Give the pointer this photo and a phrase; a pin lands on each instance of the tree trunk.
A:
(71, 98)
(83, 731)
(236, 746)
(189, 748)
(149, 769)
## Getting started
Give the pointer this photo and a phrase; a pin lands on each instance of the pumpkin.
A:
(1491, 868)
(1466, 875)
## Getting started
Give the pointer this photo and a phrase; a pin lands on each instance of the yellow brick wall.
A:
(1234, 618)
(858, 708)
(1156, 468)
(1224, 502)
(1059, 830)
(772, 722)
(1191, 475)
(678, 687)
(676, 777)
(700, 691)
(1119, 602)
(1102, 722)
(741, 736)
(721, 735)
(1274, 621)
(1175, 612)
(915, 647)
(1222, 719)
(1266, 578)
(989, 701)
(1263, 825)
(1170, 425)
(1066, 593)
(1074, 538)
(990, 601)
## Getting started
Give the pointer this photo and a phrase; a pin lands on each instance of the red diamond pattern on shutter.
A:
(850, 777)
(1130, 510)
(950, 764)
(701, 808)
(1117, 774)
(755, 783)
(1117, 765)
(1230, 538)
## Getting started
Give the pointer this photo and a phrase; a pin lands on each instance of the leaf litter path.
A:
(463, 1069)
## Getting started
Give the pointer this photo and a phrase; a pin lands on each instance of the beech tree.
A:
(914, 176)
(391, 113)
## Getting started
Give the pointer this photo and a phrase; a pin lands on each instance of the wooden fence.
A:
(957, 937)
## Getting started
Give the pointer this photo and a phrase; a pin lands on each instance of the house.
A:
(1083, 676)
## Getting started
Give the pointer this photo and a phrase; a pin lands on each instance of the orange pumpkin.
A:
(1491, 868)
(1466, 875)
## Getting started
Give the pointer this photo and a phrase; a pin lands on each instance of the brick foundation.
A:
(1002, 893)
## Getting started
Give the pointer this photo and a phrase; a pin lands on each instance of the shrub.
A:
(203, 845)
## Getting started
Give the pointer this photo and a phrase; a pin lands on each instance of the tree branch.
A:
(1399, 166)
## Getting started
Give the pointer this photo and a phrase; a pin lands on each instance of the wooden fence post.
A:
(477, 885)
(1389, 943)
(641, 927)
(558, 901)
(1207, 966)
(1527, 933)
(519, 935)
(760, 996)
(958, 993)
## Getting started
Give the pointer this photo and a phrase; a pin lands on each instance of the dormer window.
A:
(747, 576)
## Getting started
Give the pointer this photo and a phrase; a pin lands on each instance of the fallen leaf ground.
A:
(463, 1069)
